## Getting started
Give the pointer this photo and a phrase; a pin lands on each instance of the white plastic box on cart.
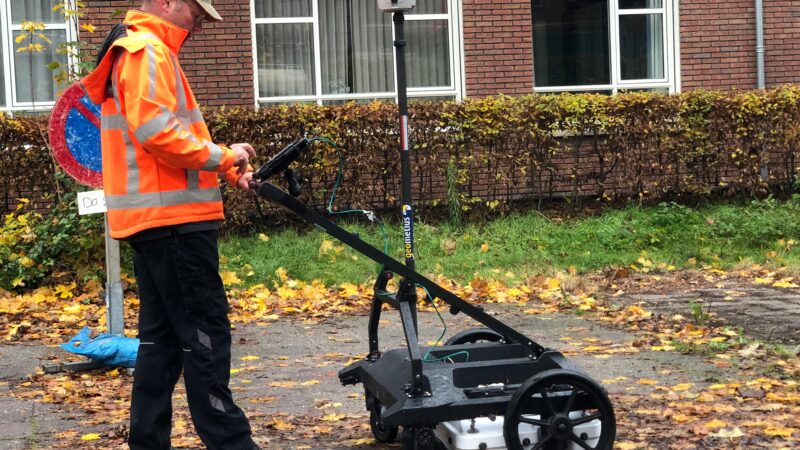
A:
(484, 433)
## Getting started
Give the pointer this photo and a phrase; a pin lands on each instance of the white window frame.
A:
(10, 49)
(455, 89)
(671, 80)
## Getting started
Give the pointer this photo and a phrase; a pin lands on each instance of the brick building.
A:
(331, 51)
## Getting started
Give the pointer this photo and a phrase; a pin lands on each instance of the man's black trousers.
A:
(183, 325)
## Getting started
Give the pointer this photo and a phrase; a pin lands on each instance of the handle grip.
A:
(282, 159)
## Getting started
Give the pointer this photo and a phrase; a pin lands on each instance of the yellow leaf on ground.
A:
(514, 292)
(782, 432)
(715, 423)
(348, 290)
(279, 424)
(90, 437)
(333, 417)
(728, 434)
(750, 350)
(785, 283)
(553, 283)
(705, 397)
(635, 312)
(662, 348)
(325, 247)
(681, 418)
(627, 445)
(72, 309)
(63, 291)
(230, 278)
(250, 358)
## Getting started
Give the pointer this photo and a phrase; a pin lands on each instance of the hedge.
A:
(494, 153)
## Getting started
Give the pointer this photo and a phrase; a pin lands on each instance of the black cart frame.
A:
(487, 372)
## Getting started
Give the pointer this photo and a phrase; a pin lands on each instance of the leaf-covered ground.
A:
(751, 400)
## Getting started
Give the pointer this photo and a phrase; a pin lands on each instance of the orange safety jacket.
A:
(159, 164)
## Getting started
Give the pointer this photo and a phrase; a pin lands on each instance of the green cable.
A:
(426, 358)
(371, 216)
(339, 174)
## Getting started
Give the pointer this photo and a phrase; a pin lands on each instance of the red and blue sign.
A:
(75, 136)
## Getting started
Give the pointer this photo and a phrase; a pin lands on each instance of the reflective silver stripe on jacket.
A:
(214, 156)
(130, 151)
(151, 71)
(114, 122)
(164, 121)
(160, 199)
(187, 117)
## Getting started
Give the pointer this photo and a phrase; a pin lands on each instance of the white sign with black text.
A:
(92, 202)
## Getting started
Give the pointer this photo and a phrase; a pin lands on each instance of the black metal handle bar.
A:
(282, 198)
(282, 159)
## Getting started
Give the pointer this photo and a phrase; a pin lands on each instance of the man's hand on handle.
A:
(243, 152)
(244, 182)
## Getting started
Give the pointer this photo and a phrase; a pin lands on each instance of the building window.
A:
(27, 82)
(331, 51)
(603, 45)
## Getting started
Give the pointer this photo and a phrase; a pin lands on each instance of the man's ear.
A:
(162, 6)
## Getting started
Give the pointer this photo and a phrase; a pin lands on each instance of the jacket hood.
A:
(136, 21)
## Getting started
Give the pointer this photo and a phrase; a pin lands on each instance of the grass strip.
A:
(722, 235)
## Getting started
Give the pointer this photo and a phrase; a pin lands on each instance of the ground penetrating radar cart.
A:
(485, 388)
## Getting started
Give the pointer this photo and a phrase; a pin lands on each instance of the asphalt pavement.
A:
(288, 369)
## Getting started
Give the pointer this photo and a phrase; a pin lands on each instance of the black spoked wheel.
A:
(383, 433)
(421, 439)
(566, 406)
(475, 336)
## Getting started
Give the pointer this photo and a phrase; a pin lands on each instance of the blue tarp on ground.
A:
(106, 349)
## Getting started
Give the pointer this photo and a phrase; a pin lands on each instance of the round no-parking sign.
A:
(75, 136)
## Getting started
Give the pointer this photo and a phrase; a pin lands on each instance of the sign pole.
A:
(115, 318)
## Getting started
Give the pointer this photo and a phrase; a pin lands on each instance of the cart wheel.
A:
(475, 336)
(384, 434)
(421, 439)
(547, 399)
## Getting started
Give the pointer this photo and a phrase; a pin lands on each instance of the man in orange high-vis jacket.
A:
(160, 177)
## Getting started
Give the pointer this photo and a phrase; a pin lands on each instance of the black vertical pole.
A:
(351, 63)
(409, 291)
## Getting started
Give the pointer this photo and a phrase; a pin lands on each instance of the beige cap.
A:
(211, 13)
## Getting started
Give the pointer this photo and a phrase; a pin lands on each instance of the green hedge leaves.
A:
(478, 156)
